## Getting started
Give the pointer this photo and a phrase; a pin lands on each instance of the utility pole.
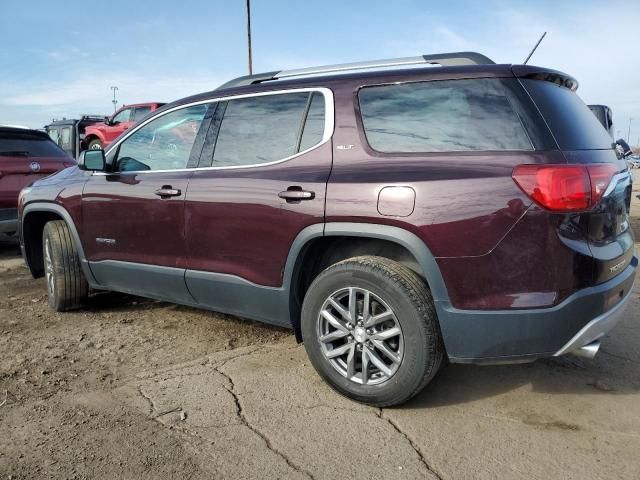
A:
(114, 101)
(249, 35)
(629, 131)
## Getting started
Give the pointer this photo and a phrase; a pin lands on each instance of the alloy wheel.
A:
(360, 336)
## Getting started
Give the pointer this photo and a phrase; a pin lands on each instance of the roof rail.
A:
(444, 59)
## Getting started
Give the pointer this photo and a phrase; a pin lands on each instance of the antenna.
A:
(535, 48)
(249, 36)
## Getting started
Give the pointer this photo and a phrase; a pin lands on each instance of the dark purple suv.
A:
(469, 211)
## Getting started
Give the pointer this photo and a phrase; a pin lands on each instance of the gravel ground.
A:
(133, 388)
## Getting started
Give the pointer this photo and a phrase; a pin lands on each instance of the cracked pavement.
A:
(133, 388)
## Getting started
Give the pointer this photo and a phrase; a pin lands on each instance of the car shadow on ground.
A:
(613, 371)
(9, 247)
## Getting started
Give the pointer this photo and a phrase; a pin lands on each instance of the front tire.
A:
(95, 144)
(370, 330)
(67, 287)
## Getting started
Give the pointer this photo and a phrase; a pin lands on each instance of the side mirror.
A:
(92, 160)
(622, 148)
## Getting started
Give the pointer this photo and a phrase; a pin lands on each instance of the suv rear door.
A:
(583, 140)
(133, 216)
(267, 182)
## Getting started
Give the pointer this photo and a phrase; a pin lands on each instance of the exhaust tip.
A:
(588, 351)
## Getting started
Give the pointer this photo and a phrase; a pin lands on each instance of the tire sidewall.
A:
(416, 345)
(54, 300)
(93, 142)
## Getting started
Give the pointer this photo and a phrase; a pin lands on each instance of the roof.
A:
(22, 131)
(72, 121)
(443, 59)
(452, 66)
(145, 104)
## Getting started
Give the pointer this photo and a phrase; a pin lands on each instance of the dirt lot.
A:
(139, 389)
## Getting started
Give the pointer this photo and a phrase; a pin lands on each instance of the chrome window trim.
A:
(329, 125)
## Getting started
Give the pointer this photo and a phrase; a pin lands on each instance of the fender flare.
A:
(397, 235)
(66, 216)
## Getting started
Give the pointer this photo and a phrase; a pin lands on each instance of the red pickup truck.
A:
(100, 135)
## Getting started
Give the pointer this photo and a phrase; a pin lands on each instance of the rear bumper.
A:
(8, 220)
(596, 328)
(511, 336)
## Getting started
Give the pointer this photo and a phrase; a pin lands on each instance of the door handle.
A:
(295, 194)
(168, 191)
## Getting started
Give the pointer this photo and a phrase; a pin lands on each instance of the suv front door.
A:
(267, 183)
(133, 215)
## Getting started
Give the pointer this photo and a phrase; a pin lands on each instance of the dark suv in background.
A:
(25, 156)
(471, 211)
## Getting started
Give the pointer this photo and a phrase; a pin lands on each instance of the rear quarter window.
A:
(441, 116)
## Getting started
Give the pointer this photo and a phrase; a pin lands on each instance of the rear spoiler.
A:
(546, 74)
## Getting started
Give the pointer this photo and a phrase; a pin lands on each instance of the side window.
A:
(162, 144)
(123, 116)
(65, 136)
(140, 113)
(314, 124)
(53, 135)
(441, 116)
(260, 129)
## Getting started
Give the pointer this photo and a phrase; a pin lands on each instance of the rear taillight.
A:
(564, 188)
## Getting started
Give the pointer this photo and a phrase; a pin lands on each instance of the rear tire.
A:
(95, 144)
(67, 287)
(384, 363)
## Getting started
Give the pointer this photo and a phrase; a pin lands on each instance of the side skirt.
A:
(211, 291)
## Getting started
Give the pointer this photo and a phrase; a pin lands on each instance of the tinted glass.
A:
(314, 125)
(140, 113)
(53, 134)
(65, 136)
(599, 112)
(162, 144)
(123, 116)
(570, 120)
(260, 129)
(441, 116)
(28, 145)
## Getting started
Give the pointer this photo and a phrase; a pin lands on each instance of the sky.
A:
(59, 59)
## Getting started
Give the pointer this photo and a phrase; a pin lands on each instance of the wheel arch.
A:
(93, 136)
(409, 250)
(34, 218)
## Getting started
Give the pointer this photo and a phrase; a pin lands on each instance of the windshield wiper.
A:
(14, 153)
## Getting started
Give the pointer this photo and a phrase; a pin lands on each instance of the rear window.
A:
(441, 116)
(570, 120)
(140, 113)
(25, 144)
